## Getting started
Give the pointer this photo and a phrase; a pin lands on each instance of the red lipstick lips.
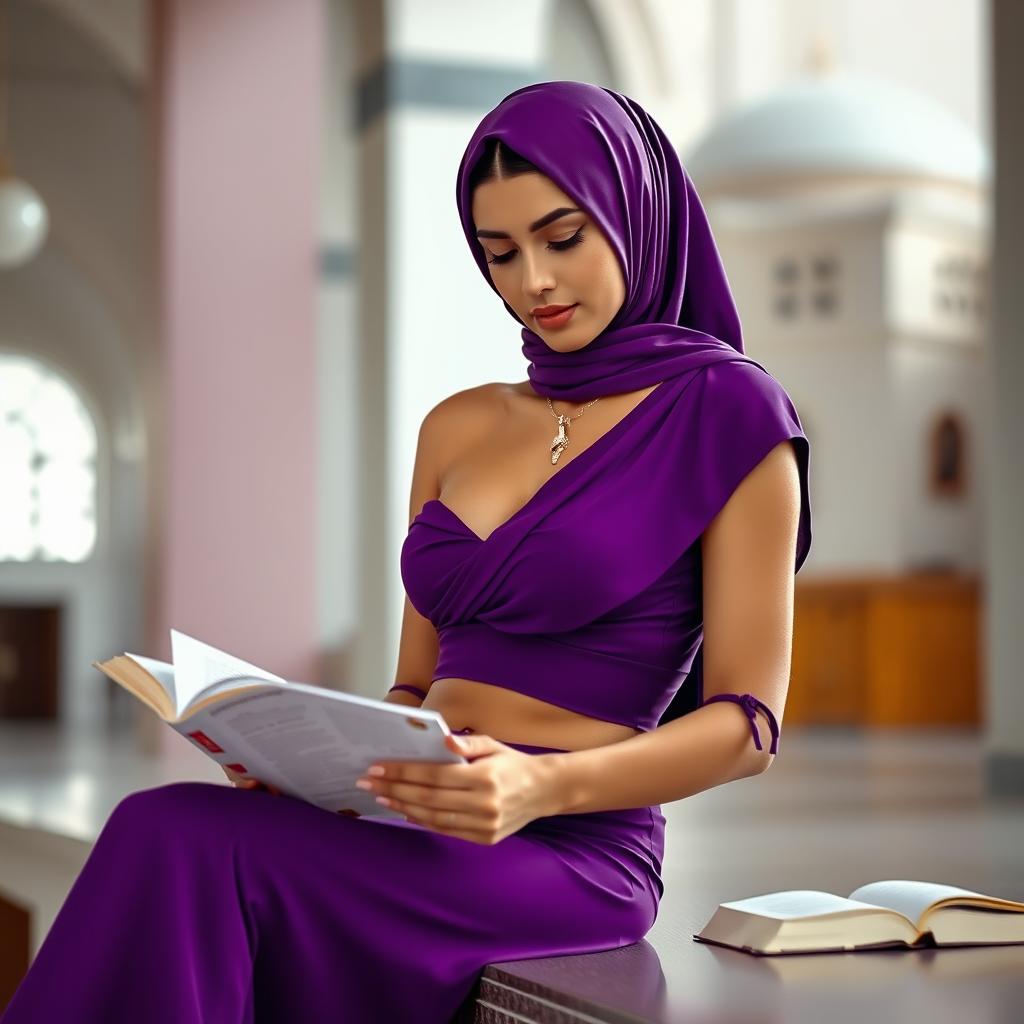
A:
(550, 317)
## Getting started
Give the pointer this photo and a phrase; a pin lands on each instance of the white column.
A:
(1004, 599)
(429, 324)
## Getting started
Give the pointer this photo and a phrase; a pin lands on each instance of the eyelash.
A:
(568, 243)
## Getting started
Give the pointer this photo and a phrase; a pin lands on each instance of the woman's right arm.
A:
(453, 425)
(418, 646)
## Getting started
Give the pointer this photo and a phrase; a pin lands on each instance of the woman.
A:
(559, 591)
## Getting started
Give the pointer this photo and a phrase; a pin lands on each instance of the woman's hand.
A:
(244, 782)
(496, 794)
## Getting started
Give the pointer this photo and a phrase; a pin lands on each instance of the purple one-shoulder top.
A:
(589, 596)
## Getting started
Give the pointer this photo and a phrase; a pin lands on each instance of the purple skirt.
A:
(205, 903)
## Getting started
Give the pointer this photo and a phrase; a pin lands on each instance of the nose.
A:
(537, 278)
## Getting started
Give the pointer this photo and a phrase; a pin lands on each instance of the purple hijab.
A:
(604, 150)
(618, 516)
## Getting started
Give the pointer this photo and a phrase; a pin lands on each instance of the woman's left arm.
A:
(748, 553)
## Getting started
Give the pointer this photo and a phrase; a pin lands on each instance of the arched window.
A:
(47, 465)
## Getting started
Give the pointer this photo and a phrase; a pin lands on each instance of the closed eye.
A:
(567, 243)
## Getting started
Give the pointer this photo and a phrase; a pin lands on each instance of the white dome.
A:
(843, 123)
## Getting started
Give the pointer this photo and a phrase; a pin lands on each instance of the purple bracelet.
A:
(412, 689)
(750, 704)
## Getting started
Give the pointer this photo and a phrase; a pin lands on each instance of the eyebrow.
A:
(536, 225)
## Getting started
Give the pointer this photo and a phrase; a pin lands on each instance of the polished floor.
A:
(837, 809)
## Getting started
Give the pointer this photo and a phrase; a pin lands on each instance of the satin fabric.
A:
(610, 156)
(589, 596)
(206, 904)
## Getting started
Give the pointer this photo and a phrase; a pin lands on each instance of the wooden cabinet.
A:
(15, 937)
(29, 661)
(898, 651)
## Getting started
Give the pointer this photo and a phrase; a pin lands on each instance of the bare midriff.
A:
(514, 717)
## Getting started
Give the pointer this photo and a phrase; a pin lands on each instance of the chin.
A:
(568, 343)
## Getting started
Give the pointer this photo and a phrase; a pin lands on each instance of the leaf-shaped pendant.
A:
(560, 441)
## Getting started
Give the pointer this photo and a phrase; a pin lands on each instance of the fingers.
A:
(408, 794)
(434, 807)
(466, 825)
(245, 782)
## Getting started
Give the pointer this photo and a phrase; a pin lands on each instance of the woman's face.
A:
(564, 261)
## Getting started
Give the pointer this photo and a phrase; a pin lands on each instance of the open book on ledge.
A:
(896, 912)
(310, 742)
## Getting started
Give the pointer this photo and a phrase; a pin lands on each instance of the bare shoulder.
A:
(470, 403)
(464, 417)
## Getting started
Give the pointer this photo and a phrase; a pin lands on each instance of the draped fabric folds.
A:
(204, 904)
(602, 530)
(609, 155)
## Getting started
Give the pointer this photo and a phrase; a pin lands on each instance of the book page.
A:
(198, 665)
(909, 897)
(314, 743)
(160, 671)
(797, 903)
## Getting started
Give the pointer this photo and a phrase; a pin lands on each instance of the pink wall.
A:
(236, 109)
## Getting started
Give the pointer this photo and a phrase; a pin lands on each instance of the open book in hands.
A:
(309, 742)
(880, 914)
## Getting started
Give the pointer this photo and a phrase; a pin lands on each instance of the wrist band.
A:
(412, 689)
(750, 704)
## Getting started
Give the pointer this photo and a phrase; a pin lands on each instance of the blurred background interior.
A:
(233, 281)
